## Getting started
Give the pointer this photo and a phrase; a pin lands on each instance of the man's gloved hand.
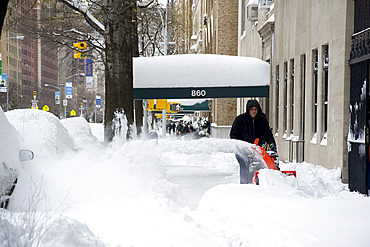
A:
(273, 147)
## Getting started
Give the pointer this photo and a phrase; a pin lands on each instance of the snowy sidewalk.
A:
(194, 181)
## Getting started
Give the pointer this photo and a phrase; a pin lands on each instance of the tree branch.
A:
(82, 9)
(141, 4)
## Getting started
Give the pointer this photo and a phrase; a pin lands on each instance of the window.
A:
(285, 97)
(314, 88)
(252, 12)
(243, 17)
(277, 99)
(303, 95)
(325, 86)
(264, 3)
(291, 95)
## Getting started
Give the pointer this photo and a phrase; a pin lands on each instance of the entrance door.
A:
(358, 138)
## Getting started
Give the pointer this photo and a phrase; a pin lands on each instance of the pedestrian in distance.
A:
(249, 127)
(179, 128)
(188, 128)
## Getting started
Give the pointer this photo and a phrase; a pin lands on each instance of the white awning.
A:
(201, 71)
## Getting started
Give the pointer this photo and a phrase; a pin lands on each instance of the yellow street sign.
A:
(151, 104)
(73, 113)
(45, 108)
(161, 104)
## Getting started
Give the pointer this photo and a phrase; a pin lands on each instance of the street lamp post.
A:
(65, 92)
(50, 85)
(64, 100)
(21, 37)
(64, 85)
(80, 74)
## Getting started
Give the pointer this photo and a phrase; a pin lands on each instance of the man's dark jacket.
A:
(248, 129)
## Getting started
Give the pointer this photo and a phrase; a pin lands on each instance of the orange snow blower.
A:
(271, 160)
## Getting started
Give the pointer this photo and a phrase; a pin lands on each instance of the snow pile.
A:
(128, 194)
(42, 130)
(317, 181)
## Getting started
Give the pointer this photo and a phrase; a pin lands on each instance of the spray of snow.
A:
(119, 125)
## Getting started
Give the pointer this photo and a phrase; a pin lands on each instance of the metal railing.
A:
(360, 47)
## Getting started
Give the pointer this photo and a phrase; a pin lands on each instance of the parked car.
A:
(12, 154)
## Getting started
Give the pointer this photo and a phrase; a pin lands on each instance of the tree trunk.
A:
(138, 103)
(118, 62)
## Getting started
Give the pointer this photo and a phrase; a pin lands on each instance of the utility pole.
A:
(164, 113)
(166, 30)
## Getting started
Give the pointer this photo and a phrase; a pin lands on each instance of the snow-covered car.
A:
(12, 154)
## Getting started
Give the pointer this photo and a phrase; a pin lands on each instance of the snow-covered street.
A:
(170, 192)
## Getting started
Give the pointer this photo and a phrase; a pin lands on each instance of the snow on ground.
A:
(139, 193)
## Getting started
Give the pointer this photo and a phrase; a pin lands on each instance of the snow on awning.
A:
(200, 76)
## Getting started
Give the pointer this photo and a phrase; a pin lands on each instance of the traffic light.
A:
(34, 94)
(80, 55)
(76, 54)
(175, 107)
(81, 47)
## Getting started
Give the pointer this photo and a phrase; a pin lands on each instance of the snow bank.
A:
(285, 210)
(120, 195)
(316, 181)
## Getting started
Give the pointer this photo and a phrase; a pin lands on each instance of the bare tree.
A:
(120, 38)
(150, 30)
(110, 28)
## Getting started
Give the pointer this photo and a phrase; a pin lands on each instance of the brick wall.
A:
(225, 15)
(224, 111)
(227, 27)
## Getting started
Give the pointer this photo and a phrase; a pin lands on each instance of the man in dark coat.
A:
(252, 125)
(248, 127)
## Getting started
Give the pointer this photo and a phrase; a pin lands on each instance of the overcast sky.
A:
(164, 2)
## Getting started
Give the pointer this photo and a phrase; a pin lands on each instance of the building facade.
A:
(30, 63)
(214, 31)
(11, 50)
(255, 17)
(37, 67)
(307, 44)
